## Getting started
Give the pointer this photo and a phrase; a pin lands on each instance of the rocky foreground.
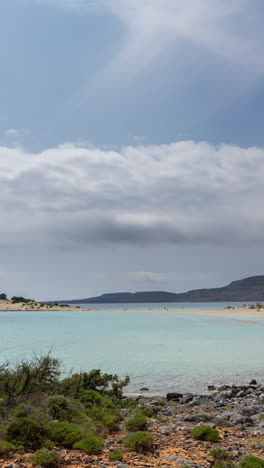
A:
(236, 411)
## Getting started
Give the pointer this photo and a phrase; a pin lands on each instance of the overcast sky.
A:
(131, 145)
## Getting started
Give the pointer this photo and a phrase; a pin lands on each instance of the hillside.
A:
(248, 289)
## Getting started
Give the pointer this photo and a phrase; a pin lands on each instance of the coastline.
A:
(8, 306)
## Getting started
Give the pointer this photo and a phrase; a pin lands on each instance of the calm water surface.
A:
(161, 350)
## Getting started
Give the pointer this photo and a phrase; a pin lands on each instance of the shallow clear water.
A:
(162, 350)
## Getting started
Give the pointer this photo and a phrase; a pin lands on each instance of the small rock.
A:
(253, 382)
(174, 396)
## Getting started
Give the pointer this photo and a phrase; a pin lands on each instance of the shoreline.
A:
(246, 311)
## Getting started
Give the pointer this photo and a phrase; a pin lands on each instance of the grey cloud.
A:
(181, 193)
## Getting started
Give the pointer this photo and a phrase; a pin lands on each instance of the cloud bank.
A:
(181, 193)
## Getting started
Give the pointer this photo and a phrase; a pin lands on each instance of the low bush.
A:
(219, 454)
(205, 433)
(206, 417)
(116, 455)
(26, 433)
(224, 464)
(91, 444)
(44, 458)
(149, 412)
(104, 419)
(25, 378)
(138, 442)
(137, 423)
(6, 447)
(64, 433)
(252, 462)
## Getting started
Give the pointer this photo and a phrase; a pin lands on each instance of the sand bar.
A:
(248, 311)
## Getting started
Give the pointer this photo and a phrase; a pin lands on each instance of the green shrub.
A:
(58, 406)
(106, 384)
(206, 417)
(6, 447)
(64, 433)
(48, 444)
(137, 423)
(252, 462)
(149, 412)
(261, 416)
(219, 454)
(26, 433)
(25, 378)
(3, 431)
(91, 444)
(138, 442)
(44, 458)
(63, 409)
(205, 433)
(105, 419)
(224, 464)
(116, 455)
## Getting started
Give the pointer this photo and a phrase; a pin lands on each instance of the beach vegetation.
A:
(26, 433)
(3, 297)
(6, 447)
(92, 444)
(44, 458)
(64, 433)
(224, 464)
(206, 417)
(116, 455)
(149, 412)
(251, 461)
(39, 409)
(219, 454)
(140, 441)
(138, 422)
(205, 433)
(19, 299)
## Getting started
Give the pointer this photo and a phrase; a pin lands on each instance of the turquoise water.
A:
(162, 350)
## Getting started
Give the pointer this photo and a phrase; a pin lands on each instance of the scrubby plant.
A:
(58, 407)
(205, 433)
(25, 378)
(138, 422)
(252, 462)
(149, 412)
(26, 433)
(105, 384)
(116, 455)
(105, 419)
(64, 433)
(224, 464)
(206, 417)
(219, 454)
(44, 458)
(6, 447)
(92, 444)
(18, 299)
(139, 441)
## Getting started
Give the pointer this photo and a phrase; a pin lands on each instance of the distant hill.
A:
(248, 289)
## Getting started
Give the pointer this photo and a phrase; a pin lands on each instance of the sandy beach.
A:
(6, 305)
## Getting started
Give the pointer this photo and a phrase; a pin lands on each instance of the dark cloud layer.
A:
(180, 193)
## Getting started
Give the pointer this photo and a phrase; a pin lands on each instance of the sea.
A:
(158, 349)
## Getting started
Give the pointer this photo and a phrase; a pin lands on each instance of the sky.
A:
(131, 145)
